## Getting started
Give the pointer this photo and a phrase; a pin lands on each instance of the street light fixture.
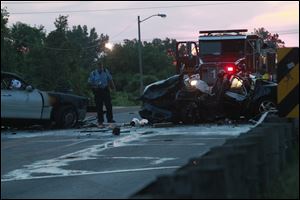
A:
(139, 49)
(109, 46)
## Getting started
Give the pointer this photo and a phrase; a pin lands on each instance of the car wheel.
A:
(266, 105)
(66, 117)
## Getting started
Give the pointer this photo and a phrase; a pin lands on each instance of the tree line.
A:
(64, 58)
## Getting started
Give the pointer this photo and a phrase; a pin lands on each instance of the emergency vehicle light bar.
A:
(224, 31)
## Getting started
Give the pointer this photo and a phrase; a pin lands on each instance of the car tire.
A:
(265, 105)
(66, 117)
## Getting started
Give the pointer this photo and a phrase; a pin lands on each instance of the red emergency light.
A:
(230, 69)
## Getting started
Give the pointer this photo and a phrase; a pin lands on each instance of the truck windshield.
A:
(218, 47)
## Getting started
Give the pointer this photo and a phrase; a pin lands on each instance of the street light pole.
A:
(140, 51)
(140, 58)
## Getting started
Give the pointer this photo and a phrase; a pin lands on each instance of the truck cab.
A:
(221, 49)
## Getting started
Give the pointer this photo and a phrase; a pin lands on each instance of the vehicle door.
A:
(20, 103)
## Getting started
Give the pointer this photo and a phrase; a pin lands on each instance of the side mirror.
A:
(29, 88)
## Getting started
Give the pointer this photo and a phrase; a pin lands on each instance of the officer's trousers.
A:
(102, 96)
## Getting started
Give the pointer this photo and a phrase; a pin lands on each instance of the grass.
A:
(124, 99)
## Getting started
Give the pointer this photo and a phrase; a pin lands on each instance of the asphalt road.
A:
(80, 164)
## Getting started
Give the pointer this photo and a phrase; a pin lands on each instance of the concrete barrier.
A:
(242, 168)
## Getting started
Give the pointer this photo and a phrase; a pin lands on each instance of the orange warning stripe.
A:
(294, 113)
(288, 83)
(282, 53)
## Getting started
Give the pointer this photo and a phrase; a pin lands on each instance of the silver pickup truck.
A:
(21, 103)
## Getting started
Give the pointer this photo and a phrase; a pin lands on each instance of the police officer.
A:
(101, 82)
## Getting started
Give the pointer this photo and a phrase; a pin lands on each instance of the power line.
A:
(30, 2)
(122, 31)
(126, 9)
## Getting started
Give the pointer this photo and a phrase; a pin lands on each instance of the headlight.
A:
(194, 82)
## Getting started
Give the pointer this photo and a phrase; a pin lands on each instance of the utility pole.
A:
(140, 50)
(140, 58)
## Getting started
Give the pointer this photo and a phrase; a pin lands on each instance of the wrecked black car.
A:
(22, 104)
(187, 99)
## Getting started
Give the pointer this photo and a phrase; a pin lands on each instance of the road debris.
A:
(116, 131)
(137, 122)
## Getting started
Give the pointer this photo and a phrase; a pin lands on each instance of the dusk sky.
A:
(118, 19)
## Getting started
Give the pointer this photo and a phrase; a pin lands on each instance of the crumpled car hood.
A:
(160, 88)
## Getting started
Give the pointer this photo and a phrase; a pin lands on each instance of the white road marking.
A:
(91, 173)
(54, 166)
(261, 119)
(62, 140)
(191, 138)
(156, 160)
(161, 144)
(161, 160)
(75, 143)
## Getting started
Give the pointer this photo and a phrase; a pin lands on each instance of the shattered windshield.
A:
(218, 47)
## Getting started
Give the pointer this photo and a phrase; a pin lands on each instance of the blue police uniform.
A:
(99, 80)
